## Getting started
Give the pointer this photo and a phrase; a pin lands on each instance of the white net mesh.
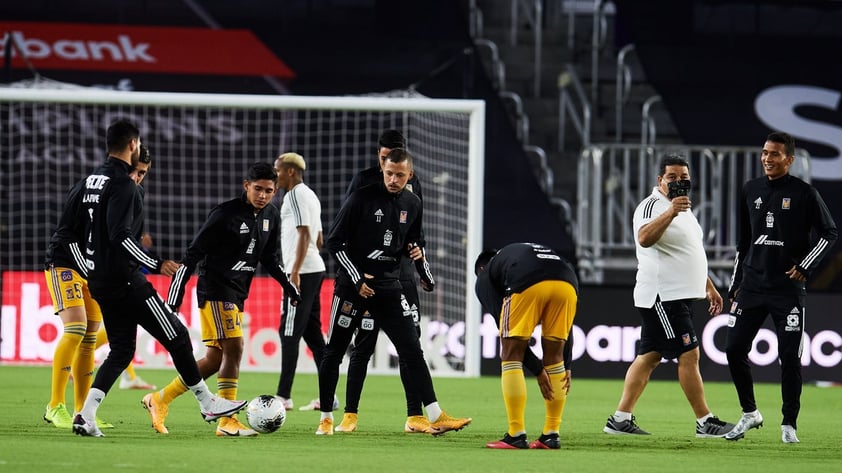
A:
(199, 156)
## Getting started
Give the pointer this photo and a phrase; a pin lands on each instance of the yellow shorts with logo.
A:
(69, 289)
(552, 304)
(220, 320)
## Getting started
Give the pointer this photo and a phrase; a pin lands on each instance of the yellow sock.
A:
(227, 388)
(514, 395)
(83, 370)
(101, 337)
(66, 350)
(130, 371)
(555, 408)
(173, 390)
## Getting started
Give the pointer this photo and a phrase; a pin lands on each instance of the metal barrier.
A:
(622, 89)
(581, 116)
(614, 178)
(498, 69)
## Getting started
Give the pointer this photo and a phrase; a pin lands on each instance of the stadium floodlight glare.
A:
(201, 145)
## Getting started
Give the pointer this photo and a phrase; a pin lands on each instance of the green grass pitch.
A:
(28, 444)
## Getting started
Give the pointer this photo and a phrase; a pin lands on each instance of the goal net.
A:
(201, 145)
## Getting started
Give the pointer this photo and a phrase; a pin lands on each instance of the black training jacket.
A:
(371, 233)
(374, 175)
(112, 207)
(64, 250)
(775, 222)
(226, 250)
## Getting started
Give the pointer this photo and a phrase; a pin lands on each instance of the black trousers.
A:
(297, 322)
(365, 343)
(126, 307)
(386, 313)
(787, 312)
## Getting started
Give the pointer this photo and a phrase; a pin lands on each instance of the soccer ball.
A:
(266, 413)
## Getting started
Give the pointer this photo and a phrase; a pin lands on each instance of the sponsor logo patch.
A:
(344, 321)
(785, 203)
(244, 228)
(367, 324)
(67, 275)
(229, 306)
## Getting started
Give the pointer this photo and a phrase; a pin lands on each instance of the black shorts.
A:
(667, 328)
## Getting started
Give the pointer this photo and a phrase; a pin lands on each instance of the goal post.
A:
(201, 145)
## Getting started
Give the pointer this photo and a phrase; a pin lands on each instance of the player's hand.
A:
(427, 286)
(415, 252)
(715, 300)
(169, 267)
(365, 290)
(295, 279)
(566, 386)
(796, 275)
(680, 204)
(545, 385)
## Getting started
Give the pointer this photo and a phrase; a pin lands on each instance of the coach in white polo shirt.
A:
(671, 274)
(301, 240)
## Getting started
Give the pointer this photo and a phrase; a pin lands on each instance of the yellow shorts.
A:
(69, 289)
(220, 320)
(552, 304)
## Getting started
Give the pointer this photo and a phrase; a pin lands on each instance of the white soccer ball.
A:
(266, 413)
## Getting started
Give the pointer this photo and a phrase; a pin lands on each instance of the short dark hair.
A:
(119, 134)
(391, 139)
(785, 139)
(145, 157)
(399, 155)
(259, 171)
(483, 259)
(672, 160)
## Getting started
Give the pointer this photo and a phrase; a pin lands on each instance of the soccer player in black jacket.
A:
(237, 235)
(365, 340)
(376, 226)
(775, 256)
(112, 208)
(524, 285)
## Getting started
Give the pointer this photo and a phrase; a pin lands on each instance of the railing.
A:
(614, 178)
(622, 88)
(579, 116)
(648, 128)
(600, 33)
(533, 11)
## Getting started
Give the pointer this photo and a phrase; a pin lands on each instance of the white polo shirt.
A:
(301, 207)
(676, 266)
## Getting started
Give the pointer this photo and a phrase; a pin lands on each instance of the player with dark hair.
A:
(130, 379)
(672, 273)
(112, 208)
(237, 235)
(365, 340)
(524, 285)
(376, 226)
(775, 255)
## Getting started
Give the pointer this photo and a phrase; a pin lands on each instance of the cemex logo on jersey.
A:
(153, 49)
(764, 240)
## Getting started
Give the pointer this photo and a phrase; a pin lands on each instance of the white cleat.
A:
(220, 407)
(748, 421)
(788, 434)
(84, 428)
(136, 383)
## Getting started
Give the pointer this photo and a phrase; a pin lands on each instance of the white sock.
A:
(621, 416)
(203, 394)
(92, 402)
(326, 415)
(701, 420)
(433, 411)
